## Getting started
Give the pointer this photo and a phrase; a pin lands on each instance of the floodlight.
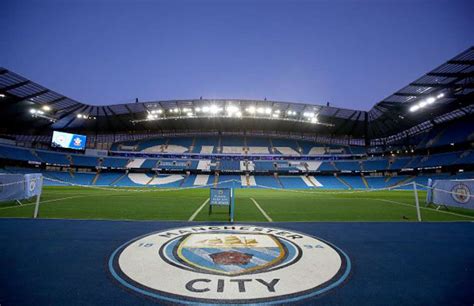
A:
(46, 108)
(232, 109)
(430, 100)
(268, 110)
(314, 120)
(423, 103)
(251, 109)
(198, 109)
(33, 111)
(79, 116)
(440, 95)
(214, 109)
(189, 114)
(238, 114)
(205, 109)
(260, 110)
(2, 96)
(414, 108)
(150, 117)
(275, 115)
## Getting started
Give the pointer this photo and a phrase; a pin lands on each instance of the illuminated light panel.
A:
(251, 109)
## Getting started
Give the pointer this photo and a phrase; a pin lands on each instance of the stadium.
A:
(268, 151)
(238, 153)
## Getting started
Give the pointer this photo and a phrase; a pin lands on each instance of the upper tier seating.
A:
(17, 153)
(258, 150)
(357, 150)
(205, 144)
(375, 164)
(232, 150)
(151, 145)
(317, 151)
(53, 158)
(287, 151)
(232, 141)
(442, 159)
(114, 162)
(327, 166)
(347, 165)
(258, 142)
(457, 131)
(399, 163)
(85, 161)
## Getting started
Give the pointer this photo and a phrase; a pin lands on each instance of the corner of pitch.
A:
(229, 264)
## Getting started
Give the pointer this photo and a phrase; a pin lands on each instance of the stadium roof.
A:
(27, 107)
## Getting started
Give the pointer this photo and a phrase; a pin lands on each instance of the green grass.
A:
(126, 204)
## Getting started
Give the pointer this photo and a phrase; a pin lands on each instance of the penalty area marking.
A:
(261, 210)
(198, 210)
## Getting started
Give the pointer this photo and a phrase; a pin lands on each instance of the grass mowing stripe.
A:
(198, 210)
(427, 208)
(261, 210)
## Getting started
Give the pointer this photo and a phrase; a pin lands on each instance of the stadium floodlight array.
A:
(85, 116)
(216, 110)
(42, 113)
(423, 103)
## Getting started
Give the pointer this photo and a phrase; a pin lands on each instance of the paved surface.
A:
(64, 262)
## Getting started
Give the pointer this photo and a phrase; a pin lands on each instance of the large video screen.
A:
(68, 141)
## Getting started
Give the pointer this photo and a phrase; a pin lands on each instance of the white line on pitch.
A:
(261, 210)
(198, 210)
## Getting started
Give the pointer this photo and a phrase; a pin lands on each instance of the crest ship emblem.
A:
(230, 254)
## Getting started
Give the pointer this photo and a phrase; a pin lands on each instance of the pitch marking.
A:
(198, 210)
(261, 210)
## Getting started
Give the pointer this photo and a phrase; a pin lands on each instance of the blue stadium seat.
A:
(53, 158)
(114, 162)
(17, 153)
(86, 161)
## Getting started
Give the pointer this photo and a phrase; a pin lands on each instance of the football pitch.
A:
(252, 205)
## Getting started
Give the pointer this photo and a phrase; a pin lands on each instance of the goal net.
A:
(18, 187)
(456, 193)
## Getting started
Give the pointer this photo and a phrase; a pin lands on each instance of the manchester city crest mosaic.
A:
(229, 264)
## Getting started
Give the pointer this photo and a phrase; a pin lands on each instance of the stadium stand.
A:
(258, 149)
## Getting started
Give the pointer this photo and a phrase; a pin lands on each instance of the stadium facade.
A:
(424, 130)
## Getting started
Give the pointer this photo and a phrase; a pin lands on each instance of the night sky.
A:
(351, 53)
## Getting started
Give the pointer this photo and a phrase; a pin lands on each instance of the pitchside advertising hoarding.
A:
(68, 141)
